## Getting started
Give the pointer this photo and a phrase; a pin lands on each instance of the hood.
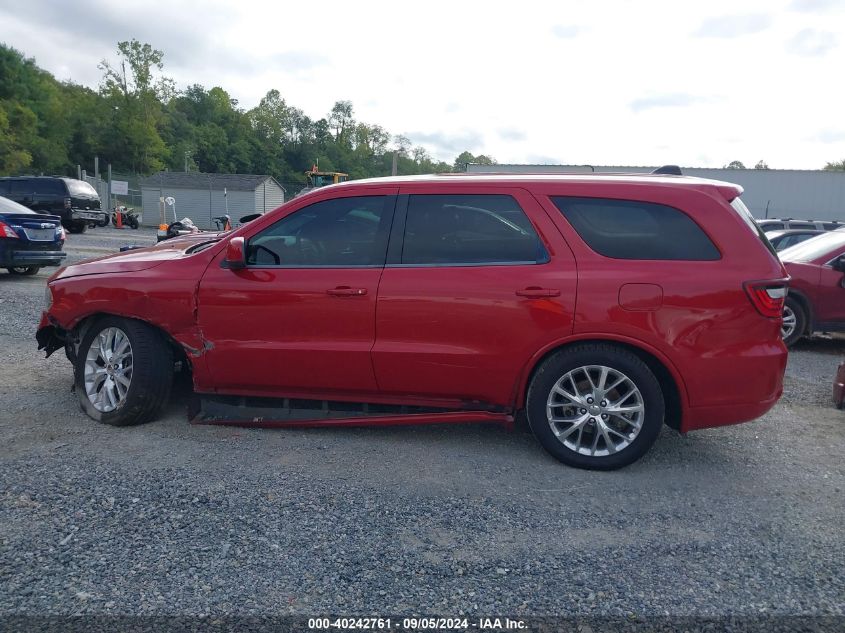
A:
(134, 260)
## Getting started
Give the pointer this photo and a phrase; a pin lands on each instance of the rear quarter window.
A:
(628, 229)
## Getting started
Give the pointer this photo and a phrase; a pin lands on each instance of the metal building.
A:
(769, 193)
(204, 196)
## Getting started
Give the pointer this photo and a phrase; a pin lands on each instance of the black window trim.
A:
(397, 236)
(390, 208)
(641, 259)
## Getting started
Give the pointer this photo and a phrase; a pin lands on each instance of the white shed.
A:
(203, 196)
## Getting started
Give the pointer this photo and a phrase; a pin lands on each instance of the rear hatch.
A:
(82, 195)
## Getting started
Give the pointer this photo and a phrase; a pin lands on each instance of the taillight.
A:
(7, 231)
(60, 233)
(67, 203)
(768, 297)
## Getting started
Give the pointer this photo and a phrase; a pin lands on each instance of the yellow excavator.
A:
(318, 178)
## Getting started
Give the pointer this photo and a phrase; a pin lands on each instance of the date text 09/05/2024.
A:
(415, 623)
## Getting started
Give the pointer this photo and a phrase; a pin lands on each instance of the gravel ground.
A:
(169, 518)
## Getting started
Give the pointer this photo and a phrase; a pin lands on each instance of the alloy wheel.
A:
(595, 410)
(108, 369)
(789, 322)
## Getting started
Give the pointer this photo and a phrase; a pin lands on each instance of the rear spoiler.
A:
(669, 170)
(729, 191)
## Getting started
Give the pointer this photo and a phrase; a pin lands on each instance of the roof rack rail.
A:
(670, 170)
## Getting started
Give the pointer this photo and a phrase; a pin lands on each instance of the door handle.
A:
(537, 292)
(346, 291)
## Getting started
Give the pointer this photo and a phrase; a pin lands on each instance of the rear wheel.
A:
(24, 270)
(595, 406)
(123, 372)
(794, 321)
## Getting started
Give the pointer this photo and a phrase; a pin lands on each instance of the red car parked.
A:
(601, 305)
(816, 301)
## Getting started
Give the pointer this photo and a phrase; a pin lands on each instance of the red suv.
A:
(600, 305)
(816, 301)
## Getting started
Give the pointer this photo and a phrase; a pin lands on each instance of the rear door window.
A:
(466, 229)
(627, 229)
(22, 187)
(802, 225)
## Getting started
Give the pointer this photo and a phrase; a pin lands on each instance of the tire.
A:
(77, 227)
(794, 315)
(149, 369)
(24, 270)
(631, 433)
(133, 222)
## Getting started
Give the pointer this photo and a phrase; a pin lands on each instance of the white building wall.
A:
(198, 204)
(268, 196)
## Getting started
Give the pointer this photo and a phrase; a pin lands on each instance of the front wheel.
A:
(77, 227)
(595, 406)
(24, 270)
(794, 321)
(123, 372)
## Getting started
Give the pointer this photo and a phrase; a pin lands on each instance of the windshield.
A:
(743, 212)
(815, 247)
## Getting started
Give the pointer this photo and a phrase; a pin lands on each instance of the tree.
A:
(13, 157)
(465, 157)
(135, 96)
(734, 164)
(835, 166)
(761, 164)
(340, 119)
(402, 144)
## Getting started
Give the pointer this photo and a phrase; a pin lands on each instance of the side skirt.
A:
(290, 412)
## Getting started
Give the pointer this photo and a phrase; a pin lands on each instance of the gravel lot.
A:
(169, 518)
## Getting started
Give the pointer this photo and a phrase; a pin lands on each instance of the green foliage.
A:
(139, 123)
(835, 166)
(734, 164)
(464, 158)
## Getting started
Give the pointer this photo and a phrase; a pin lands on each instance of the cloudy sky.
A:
(605, 83)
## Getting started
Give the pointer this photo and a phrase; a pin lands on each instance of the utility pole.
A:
(395, 169)
(110, 200)
(186, 160)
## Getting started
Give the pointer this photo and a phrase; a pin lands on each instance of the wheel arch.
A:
(671, 383)
(807, 306)
(81, 326)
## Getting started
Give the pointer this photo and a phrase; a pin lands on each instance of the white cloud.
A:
(518, 81)
(811, 43)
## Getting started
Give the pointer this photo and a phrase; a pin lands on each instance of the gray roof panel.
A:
(196, 180)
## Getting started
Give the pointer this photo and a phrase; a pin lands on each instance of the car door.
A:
(300, 318)
(830, 304)
(472, 289)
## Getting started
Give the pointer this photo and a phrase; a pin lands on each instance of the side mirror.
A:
(235, 254)
(838, 264)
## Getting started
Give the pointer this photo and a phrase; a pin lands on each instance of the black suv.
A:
(75, 201)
